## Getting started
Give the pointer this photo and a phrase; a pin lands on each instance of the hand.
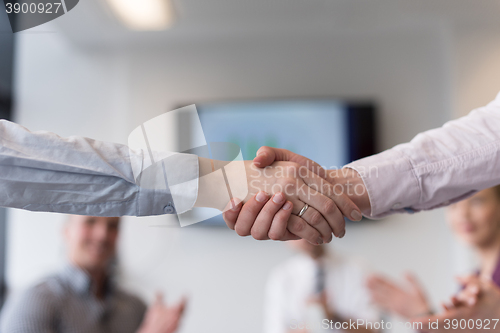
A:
(346, 180)
(409, 302)
(161, 318)
(271, 219)
(477, 303)
(270, 213)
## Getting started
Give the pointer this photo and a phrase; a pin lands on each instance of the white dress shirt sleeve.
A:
(40, 171)
(437, 167)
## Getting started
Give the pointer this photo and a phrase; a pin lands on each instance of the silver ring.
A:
(303, 210)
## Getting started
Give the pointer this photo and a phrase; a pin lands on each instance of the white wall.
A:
(477, 68)
(104, 95)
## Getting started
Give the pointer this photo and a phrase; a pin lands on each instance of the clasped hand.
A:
(276, 196)
(268, 190)
(273, 190)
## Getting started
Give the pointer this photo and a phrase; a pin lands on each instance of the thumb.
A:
(265, 157)
(268, 155)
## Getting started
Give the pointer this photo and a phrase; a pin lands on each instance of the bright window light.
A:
(144, 14)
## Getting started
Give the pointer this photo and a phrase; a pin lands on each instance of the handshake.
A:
(289, 197)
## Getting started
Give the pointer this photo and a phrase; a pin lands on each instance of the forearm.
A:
(351, 183)
(220, 181)
(437, 167)
(41, 171)
(212, 189)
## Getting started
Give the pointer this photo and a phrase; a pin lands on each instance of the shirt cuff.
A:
(168, 186)
(390, 182)
(183, 174)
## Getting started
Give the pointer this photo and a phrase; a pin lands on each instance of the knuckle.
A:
(241, 231)
(329, 207)
(292, 166)
(275, 235)
(326, 188)
(258, 235)
(298, 226)
(316, 218)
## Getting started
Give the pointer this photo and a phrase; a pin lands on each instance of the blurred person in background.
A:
(476, 308)
(84, 297)
(313, 286)
(476, 222)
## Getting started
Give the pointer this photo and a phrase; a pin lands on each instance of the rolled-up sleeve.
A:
(438, 167)
(40, 171)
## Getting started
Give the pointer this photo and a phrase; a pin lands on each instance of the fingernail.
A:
(356, 216)
(288, 206)
(278, 198)
(256, 163)
(261, 196)
(342, 234)
(261, 153)
(235, 205)
(319, 241)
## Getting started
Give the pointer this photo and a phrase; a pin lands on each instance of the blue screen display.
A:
(315, 129)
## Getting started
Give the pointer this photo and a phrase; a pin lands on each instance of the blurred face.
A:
(92, 240)
(314, 251)
(476, 220)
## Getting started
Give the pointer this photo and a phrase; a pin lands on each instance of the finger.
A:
(336, 192)
(464, 280)
(467, 297)
(278, 230)
(159, 298)
(455, 302)
(183, 304)
(374, 280)
(302, 229)
(326, 207)
(261, 228)
(415, 284)
(445, 306)
(474, 289)
(231, 212)
(314, 218)
(267, 155)
(249, 213)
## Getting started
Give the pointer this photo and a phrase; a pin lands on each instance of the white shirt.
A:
(292, 284)
(40, 171)
(437, 167)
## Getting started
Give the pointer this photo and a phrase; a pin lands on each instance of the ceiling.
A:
(93, 25)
